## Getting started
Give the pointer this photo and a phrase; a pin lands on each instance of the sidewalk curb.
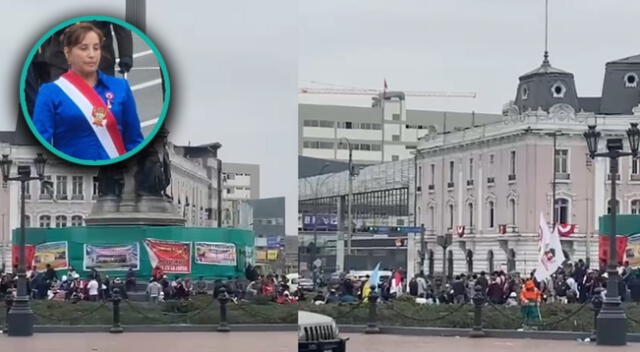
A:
(165, 328)
(505, 334)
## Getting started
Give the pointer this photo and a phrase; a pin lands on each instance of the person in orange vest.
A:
(530, 297)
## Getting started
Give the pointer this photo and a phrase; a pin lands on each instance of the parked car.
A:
(305, 284)
(317, 332)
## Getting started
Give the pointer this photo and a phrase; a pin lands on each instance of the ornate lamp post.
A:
(612, 322)
(20, 317)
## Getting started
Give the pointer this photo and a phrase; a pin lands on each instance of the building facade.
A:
(488, 185)
(240, 183)
(75, 189)
(385, 132)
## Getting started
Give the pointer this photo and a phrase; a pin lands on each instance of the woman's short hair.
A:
(74, 34)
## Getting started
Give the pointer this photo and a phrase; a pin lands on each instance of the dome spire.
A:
(546, 34)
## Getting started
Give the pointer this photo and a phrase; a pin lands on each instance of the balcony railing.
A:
(61, 196)
(46, 196)
(563, 176)
(469, 183)
(77, 197)
(512, 177)
(635, 177)
(450, 184)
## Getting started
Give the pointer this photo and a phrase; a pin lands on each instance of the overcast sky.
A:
(233, 66)
(459, 45)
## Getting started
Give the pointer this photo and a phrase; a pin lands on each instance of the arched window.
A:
(562, 211)
(635, 206)
(45, 221)
(61, 221)
(76, 220)
(470, 206)
(558, 89)
(512, 208)
(492, 214)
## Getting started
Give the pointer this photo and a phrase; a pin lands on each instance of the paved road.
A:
(385, 343)
(186, 341)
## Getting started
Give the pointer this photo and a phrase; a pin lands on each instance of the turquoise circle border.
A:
(145, 142)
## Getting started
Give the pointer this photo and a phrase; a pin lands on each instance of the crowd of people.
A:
(571, 283)
(49, 285)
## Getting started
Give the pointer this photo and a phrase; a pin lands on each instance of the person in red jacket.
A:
(157, 273)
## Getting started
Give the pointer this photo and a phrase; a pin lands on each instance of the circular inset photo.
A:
(94, 90)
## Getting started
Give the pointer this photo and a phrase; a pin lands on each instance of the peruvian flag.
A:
(98, 115)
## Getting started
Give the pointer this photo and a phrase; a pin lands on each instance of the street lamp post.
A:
(315, 229)
(20, 317)
(350, 196)
(612, 322)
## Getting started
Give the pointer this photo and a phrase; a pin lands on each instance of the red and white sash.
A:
(95, 111)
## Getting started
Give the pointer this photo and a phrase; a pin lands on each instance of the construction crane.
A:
(364, 91)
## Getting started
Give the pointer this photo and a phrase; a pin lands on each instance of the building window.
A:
(470, 168)
(451, 169)
(433, 174)
(45, 221)
(96, 187)
(617, 206)
(561, 161)
(46, 188)
(432, 217)
(76, 220)
(61, 221)
(326, 124)
(376, 147)
(558, 89)
(450, 216)
(27, 221)
(395, 117)
(524, 92)
(395, 158)
(61, 187)
(310, 123)
(512, 162)
(348, 125)
(635, 206)
(631, 80)
(562, 211)
(470, 214)
(76, 188)
(419, 216)
(512, 206)
(492, 158)
(492, 214)
(420, 177)
(395, 138)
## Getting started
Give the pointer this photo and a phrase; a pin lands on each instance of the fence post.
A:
(223, 299)
(372, 325)
(115, 300)
(478, 301)
(596, 301)
(8, 302)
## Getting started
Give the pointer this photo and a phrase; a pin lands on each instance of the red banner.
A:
(621, 247)
(172, 257)
(29, 251)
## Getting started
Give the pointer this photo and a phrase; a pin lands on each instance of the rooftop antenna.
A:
(546, 32)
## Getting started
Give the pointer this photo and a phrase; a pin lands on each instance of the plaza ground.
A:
(385, 343)
(105, 342)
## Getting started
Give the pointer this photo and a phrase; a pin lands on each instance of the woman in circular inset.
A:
(85, 113)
